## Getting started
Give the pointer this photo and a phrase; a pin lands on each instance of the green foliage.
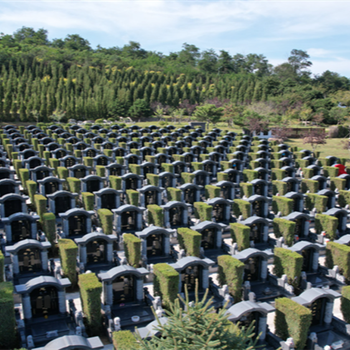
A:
(31, 188)
(326, 223)
(241, 207)
(90, 295)
(277, 164)
(167, 167)
(288, 263)
(344, 198)
(212, 191)
(62, 172)
(189, 240)
(166, 283)
(337, 183)
(313, 200)
(106, 219)
(49, 226)
(124, 340)
(345, 303)
(24, 177)
(7, 315)
(187, 177)
(308, 173)
(222, 176)
(284, 228)
(155, 215)
(115, 182)
(54, 162)
(140, 109)
(208, 113)
(309, 185)
(2, 267)
(338, 254)
(279, 187)
(250, 175)
(241, 235)
(132, 245)
(40, 204)
(203, 211)
(133, 197)
(17, 164)
(231, 273)
(101, 170)
(246, 189)
(68, 254)
(174, 194)
(282, 204)
(330, 171)
(197, 166)
(74, 184)
(135, 169)
(277, 174)
(88, 200)
(88, 161)
(292, 320)
(153, 179)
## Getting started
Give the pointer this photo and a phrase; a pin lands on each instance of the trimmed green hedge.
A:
(74, 184)
(197, 166)
(54, 162)
(323, 162)
(125, 340)
(345, 303)
(88, 161)
(135, 169)
(338, 254)
(166, 283)
(101, 169)
(288, 263)
(275, 163)
(133, 197)
(88, 200)
(167, 167)
(344, 198)
(174, 194)
(225, 165)
(326, 223)
(106, 219)
(132, 245)
(330, 171)
(68, 254)
(282, 204)
(189, 240)
(212, 191)
(338, 183)
(8, 338)
(231, 273)
(308, 173)
(309, 185)
(90, 296)
(155, 215)
(2, 267)
(17, 164)
(49, 226)
(277, 174)
(151, 159)
(241, 207)
(250, 175)
(292, 320)
(222, 176)
(313, 200)
(115, 182)
(62, 172)
(246, 189)
(285, 228)
(153, 179)
(24, 177)
(187, 177)
(31, 188)
(40, 204)
(240, 234)
(203, 211)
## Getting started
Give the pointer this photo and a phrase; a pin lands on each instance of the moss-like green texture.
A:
(241, 207)
(231, 273)
(277, 174)
(101, 170)
(132, 245)
(222, 176)
(309, 185)
(282, 204)
(68, 254)
(313, 200)
(17, 164)
(54, 164)
(330, 171)
(250, 175)
(344, 198)
(197, 166)
(338, 254)
(166, 283)
(189, 240)
(24, 177)
(326, 223)
(74, 184)
(187, 178)
(49, 226)
(167, 167)
(115, 182)
(88, 161)
(135, 169)
(153, 179)
(292, 320)
(62, 172)
(133, 197)
(212, 191)
(345, 303)
(240, 234)
(106, 219)
(203, 211)
(125, 340)
(246, 189)
(88, 200)
(155, 215)
(7, 315)
(31, 188)
(90, 296)
(40, 204)
(174, 194)
(338, 183)
(279, 187)
(284, 228)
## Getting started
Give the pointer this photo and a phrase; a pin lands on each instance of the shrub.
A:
(115, 182)
(338, 183)
(106, 219)
(166, 283)
(151, 159)
(88, 161)
(135, 169)
(292, 320)
(203, 211)
(174, 194)
(2, 267)
(125, 340)
(167, 167)
(17, 164)
(62, 172)
(132, 246)
(222, 176)
(74, 184)
(313, 200)
(309, 185)
(31, 188)
(212, 191)
(88, 200)
(308, 173)
(153, 179)
(326, 223)
(90, 295)
(54, 164)
(277, 174)
(241, 235)
(275, 163)
(285, 228)
(345, 303)
(330, 171)
(246, 189)
(225, 165)
(187, 177)
(344, 198)
(77, 153)
(40, 204)
(250, 175)
(231, 273)
(7, 316)
(178, 157)
(24, 177)
(197, 166)
(155, 215)
(241, 207)
(133, 197)
(68, 254)
(282, 204)
(189, 240)
(49, 226)
(338, 254)
(101, 170)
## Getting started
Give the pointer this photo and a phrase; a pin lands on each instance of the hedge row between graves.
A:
(166, 283)
(68, 254)
(101, 170)
(330, 171)
(174, 194)
(7, 316)
(31, 188)
(24, 177)
(279, 187)
(326, 223)
(155, 215)
(345, 303)
(231, 273)
(190, 241)
(133, 197)
(240, 234)
(282, 204)
(153, 179)
(2, 267)
(167, 167)
(241, 207)
(203, 211)
(250, 175)
(132, 246)
(246, 189)
(106, 220)
(187, 178)
(40, 204)
(74, 184)
(90, 295)
(288, 263)
(313, 200)
(212, 191)
(337, 183)
(344, 198)
(292, 320)
(309, 185)
(88, 200)
(49, 227)
(115, 182)
(125, 340)
(62, 172)
(277, 174)
(284, 228)
(338, 254)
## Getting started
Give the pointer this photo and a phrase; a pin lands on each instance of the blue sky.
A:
(271, 28)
